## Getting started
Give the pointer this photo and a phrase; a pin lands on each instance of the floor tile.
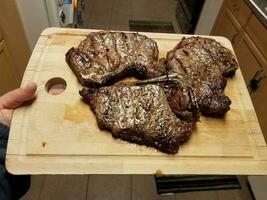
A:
(228, 195)
(239, 194)
(101, 12)
(144, 187)
(141, 10)
(119, 27)
(35, 189)
(122, 8)
(109, 187)
(244, 193)
(120, 23)
(203, 195)
(163, 10)
(103, 6)
(98, 26)
(64, 187)
(115, 14)
(99, 18)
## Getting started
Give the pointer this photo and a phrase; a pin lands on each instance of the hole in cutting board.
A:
(55, 86)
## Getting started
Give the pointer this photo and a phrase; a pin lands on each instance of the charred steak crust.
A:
(139, 114)
(204, 63)
(104, 57)
(180, 95)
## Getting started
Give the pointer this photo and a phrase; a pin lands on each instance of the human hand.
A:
(14, 99)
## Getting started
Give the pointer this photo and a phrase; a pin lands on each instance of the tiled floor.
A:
(117, 187)
(115, 14)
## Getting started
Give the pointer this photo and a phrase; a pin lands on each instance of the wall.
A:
(34, 18)
(208, 16)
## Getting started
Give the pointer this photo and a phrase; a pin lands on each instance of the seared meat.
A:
(180, 95)
(203, 63)
(104, 57)
(139, 114)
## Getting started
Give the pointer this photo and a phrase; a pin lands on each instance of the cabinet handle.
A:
(255, 81)
(235, 7)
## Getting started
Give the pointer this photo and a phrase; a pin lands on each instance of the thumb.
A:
(16, 97)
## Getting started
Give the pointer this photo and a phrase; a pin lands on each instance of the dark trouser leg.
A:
(13, 187)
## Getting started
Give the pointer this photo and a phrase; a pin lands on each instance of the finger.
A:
(6, 116)
(18, 96)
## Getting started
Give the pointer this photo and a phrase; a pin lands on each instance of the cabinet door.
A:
(226, 25)
(251, 60)
(15, 42)
(258, 32)
(249, 57)
(9, 76)
(240, 10)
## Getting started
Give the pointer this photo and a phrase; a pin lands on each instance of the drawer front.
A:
(258, 33)
(240, 10)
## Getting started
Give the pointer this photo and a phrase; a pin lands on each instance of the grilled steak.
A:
(203, 63)
(139, 114)
(104, 57)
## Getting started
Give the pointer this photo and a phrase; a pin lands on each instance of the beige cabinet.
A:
(14, 48)
(9, 75)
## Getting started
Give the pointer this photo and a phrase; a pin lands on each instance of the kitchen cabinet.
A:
(14, 47)
(248, 36)
(9, 74)
(230, 21)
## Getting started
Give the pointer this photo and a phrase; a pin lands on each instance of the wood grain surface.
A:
(58, 134)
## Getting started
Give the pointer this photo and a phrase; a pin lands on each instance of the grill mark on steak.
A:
(182, 65)
(180, 95)
(139, 114)
(116, 49)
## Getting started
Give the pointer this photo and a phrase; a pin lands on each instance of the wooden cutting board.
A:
(58, 134)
